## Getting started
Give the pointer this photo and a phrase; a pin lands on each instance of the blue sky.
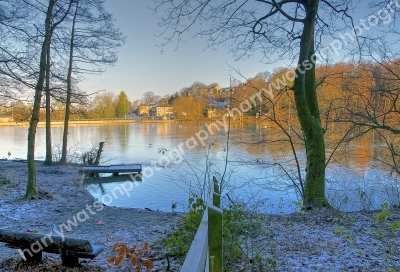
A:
(141, 66)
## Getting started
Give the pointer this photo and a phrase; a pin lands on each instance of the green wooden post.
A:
(215, 230)
(216, 194)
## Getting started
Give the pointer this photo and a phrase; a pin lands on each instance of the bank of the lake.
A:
(92, 122)
(319, 240)
(62, 198)
(130, 121)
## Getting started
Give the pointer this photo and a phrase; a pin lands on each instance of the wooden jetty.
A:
(113, 169)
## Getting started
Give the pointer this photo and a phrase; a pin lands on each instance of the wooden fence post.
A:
(216, 195)
(215, 230)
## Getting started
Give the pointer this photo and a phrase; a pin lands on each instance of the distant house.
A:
(162, 109)
(212, 89)
(227, 90)
(216, 108)
(216, 91)
(5, 118)
(143, 110)
(211, 112)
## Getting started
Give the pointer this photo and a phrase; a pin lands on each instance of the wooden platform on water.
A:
(113, 169)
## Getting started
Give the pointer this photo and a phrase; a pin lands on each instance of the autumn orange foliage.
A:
(135, 254)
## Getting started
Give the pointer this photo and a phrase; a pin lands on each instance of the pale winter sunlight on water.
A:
(252, 172)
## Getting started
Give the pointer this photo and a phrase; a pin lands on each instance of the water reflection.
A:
(254, 150)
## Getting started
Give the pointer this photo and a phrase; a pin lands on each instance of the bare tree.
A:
(93, 40)
(148, 98)
(17, 49)
(54, 83)
(104, 105)
(49, 28)
(377, 106)
(286, 29)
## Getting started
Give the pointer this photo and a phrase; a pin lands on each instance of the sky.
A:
(141, 66)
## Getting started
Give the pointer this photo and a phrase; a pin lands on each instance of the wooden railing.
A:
(205, 253)
(197, 257)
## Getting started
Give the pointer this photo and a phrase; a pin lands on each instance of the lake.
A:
(253, 171)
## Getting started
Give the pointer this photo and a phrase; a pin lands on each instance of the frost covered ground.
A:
(320, 240)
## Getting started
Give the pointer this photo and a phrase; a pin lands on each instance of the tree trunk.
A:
(69, 87)
(51, 244)
(98, 156)
(31, 186)
(309, 116)
(48, 160)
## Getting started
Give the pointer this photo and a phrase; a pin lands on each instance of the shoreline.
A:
(64, 206)
(126, 121)
(86, 122)
(318, 240)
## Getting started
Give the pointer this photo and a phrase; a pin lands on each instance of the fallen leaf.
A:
(148, 263)
(118, 260)
(111, 260)
(117, 244)
(134, 260)
(122, 250)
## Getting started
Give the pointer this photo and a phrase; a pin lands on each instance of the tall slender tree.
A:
(31, 186)
(93, 39)
(49, 155)
(49, 28)
(69, 86)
